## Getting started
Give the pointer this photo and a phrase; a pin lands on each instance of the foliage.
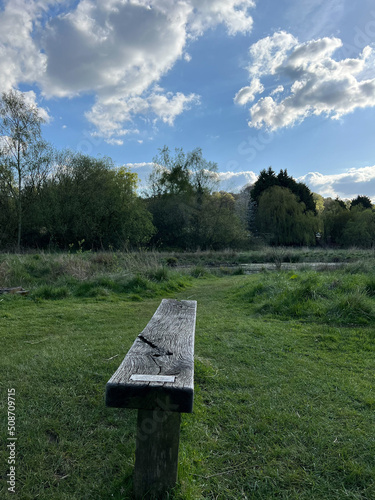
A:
(363, 201)
(285, 209)
(88, 200)
(59, 200)
(24, 157)
(186, 213)
(183, 173)
(335, 218)
(282, 218)
(268, 178)
(349, 227)
(360, 228)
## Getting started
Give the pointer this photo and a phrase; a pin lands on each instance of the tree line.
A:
(58, 199)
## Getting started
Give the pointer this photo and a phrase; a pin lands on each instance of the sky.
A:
(254, 83)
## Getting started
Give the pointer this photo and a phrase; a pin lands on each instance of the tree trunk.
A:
(19, 198)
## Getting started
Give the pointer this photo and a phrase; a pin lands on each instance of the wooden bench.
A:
(157, 378)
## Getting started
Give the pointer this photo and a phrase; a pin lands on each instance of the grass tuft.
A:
(335, 297)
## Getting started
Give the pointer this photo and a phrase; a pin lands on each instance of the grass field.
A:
(284, 379)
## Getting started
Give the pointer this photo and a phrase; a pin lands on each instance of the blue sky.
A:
(288, 83)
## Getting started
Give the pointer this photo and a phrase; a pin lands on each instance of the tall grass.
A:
(86, 274)
(327, 296)
(58, 275)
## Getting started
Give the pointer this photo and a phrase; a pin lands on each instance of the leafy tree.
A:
(90, 199)
(360, 228)
(221, 224)
(21, 148)
(8, 214)
(294, 221)
(319, 203)
(335, 217)
(283, 220)
(179, 186)
(182, 173)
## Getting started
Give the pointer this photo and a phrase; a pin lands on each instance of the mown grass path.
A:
(284, 408)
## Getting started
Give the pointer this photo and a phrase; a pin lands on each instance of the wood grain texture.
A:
(164, 347)
(156, 455)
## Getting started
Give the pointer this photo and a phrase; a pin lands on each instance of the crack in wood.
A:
(160, 352)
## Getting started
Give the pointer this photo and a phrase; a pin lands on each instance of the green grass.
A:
(334, 297)
(284, 393)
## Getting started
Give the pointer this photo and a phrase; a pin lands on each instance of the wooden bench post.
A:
(157, 378)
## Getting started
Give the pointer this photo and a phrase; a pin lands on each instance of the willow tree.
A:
(20, 145)
(283, 219)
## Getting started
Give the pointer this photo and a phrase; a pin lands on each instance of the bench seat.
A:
(159, 367)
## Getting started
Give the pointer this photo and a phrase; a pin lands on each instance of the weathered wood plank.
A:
(164, 348)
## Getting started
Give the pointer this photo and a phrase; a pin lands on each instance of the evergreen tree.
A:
(362, 201)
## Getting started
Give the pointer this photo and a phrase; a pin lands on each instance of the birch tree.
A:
(20, 145)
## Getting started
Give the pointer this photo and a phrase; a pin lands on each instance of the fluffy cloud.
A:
(235, 181)
(314, 83)
(117, 50)
(346, 185)
(109, 114)
(247, 94)
(233, 13)
(20, 58)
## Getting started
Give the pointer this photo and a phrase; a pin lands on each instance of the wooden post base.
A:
(156, 455)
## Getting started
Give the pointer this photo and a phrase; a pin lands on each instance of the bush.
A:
(172, 261)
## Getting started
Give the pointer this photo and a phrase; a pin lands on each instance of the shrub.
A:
(172, 261)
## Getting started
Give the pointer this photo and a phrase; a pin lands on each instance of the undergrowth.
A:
(329, 296)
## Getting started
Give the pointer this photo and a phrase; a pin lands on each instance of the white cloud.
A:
(31, 100)
(168, 106)
(117, 50)
(116, 46)
(345, 185)
(277, 90)
(235, 181)
(247, 94)
(110, 114)
(233, 13)
(20, 59)
(268, 54)
(314, 83)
